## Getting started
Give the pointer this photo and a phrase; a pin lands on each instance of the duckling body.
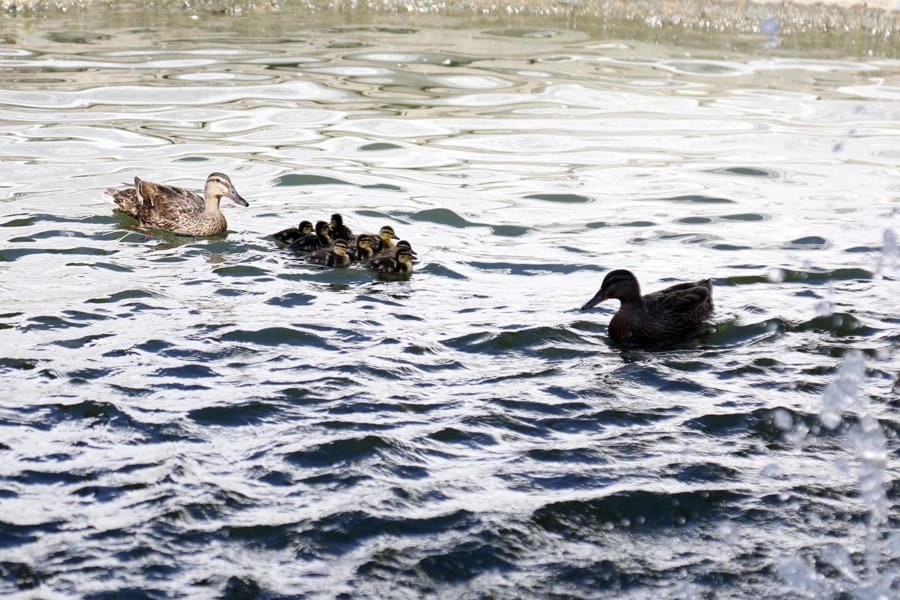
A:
(313, 241)
(338, 230)
(398, 264)
(666, 316)
(177, 209)
(336, 256)
(292, 234)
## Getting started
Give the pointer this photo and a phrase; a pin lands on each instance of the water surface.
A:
(214, 417)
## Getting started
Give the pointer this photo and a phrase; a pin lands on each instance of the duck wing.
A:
(383, 264)
(308, 243)
(288, 236)
(166, 206)
(680, 309)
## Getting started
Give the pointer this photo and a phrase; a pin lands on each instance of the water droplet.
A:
(775, 275)
(770, 26)
(783, 420)
(842, 393)
(771, 471)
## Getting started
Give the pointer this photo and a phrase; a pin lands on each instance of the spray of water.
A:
(845, 408)
(888, 263)
(874, 579)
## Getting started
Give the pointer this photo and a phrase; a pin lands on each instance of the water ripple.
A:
(218, 416)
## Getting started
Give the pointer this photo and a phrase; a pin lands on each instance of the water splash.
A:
(889, 260)
(874, 579)
(770, 27)
(825, 306)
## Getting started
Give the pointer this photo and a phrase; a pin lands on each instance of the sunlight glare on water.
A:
(193, 417)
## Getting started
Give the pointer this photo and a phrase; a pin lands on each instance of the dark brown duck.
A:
(663, 317)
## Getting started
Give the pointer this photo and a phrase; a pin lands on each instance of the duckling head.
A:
(305, 227)
(386, 233)
(364, 241)
(404, 244)
(619, 284)
(336, 221)
(321, 227)
(219, 185)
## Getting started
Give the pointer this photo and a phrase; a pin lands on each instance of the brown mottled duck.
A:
(176, 209)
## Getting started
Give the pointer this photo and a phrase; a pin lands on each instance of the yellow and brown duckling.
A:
(313, 241)
(667, 316)
(361, 250)
(292, 234)
(338, 230)
(336, 256)
(397, 264)
(177, 209)
(385, 239)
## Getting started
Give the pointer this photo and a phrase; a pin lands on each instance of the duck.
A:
(361, 250)
(316, 240)
(175, 209)
(335, 256)
(397, 264)
(292, 234)
(385, 239)
(338, 230)
(667, 316)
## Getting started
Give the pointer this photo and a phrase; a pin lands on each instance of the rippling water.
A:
(214, 417)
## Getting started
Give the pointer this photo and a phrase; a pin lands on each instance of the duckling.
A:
(336, 256)
(176, 209)
(313, 241)
(386, 237)
(292, 234)
(397, 264)
(338, 230)
(361, 250)
(667, 316)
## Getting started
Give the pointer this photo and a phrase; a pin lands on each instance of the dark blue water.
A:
(216, 418)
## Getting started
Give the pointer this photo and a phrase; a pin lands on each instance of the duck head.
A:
(619, 284)
(219, 185)
(404, 255)
(305, 227)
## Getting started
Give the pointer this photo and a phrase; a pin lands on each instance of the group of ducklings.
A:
(662, 317)
(333, 244)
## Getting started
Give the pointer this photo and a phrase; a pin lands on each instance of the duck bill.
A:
(237, 198)
(597, 299)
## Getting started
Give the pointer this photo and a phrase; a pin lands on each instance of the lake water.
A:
(214, 418)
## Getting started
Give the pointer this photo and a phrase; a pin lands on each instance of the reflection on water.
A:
(215, 415)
